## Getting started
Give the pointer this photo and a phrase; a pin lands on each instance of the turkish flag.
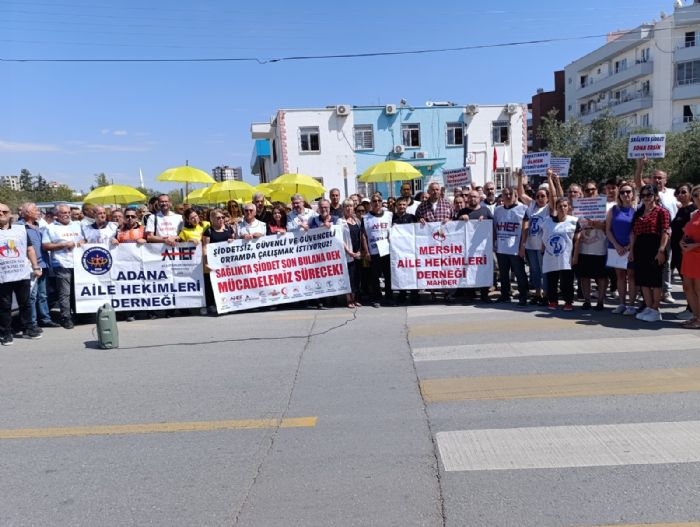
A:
(495, 159)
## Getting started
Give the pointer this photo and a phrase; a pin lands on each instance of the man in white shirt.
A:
(164, 225)
(101, 231)
(300, 216)
(61, 237)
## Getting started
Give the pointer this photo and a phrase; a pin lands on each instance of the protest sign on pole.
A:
(560, 166)
(134, 277)
(278, 269)
(593, 209)
(457, 177)
(536, 163)
(650, 145)
(440, 256)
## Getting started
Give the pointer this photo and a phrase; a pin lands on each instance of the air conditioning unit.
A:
(429, 104)
(399, 149)
(390, 109)
(420, 155)
(342, 110)
(511, 109)
(471, 109)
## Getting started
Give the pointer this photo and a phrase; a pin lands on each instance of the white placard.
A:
(536, 163)
(457, 177)
(593, 209)
(616, 261)
(560, 166)
(650, 145)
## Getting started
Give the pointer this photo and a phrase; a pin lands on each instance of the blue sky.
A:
(69, 121)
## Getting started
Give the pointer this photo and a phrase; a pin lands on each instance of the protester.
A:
(435, 208)
(324, 217)
(475, 210)
(560, 235)
(251, 227)
(278, 223)
(88, 216)
(650, 235)
(76, 214)
(60, 238)
(352, 243)
(509, 224)
(690, 269)
(38, 298)
(164, 225)
(537, 211)
(402, 217)
(18, 265)
(261, 212)
(100, 230)
(192, 227)
(234, 211)
(489, 199)
(592, 250)
(216, 232)
(458, 203)
(376, 226)
(405, 192)
(686, 207)
(618, 228)
(336, 206)
(391, 204)
(300, 216)
(131, 231)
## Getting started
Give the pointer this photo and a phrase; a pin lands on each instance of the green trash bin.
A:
(107, 331)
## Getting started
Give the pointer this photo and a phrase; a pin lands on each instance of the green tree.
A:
(682, 162)
(100, 181)
(25, 179)
(41, 185)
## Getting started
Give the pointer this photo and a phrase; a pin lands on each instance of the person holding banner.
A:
(402, 217)
(324, 217)
(537, 212)
(217, 231)
(100, 231)
(618, 228)
(278, 221)
(650, 235)
(376, 226)
(164, 225)
(476, 210)
(192, 227)
(690, 270)
(251, 227)
(435, 208)
(593, 250)
(560, 236)
(685, 210)
(352, 243)
(18, 265)
(509, 225)
(300, 216)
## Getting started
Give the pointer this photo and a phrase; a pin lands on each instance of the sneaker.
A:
(32, 333)
(552, 306)
(7, 340)
(643, 313)
(667, 298)
(652, 316)
(68, 324)
(568, 307)
(586, 305)
(685, 315)
(620, 310)
(49, 324)
(629, 311)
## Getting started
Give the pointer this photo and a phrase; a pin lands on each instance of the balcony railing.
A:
(640, 94)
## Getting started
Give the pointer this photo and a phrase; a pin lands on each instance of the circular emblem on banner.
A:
(439, 235)
(97, 260)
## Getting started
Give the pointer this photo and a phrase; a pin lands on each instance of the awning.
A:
(426, 165)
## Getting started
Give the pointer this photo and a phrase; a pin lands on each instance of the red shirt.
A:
(658, 221)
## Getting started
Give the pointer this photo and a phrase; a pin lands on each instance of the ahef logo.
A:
(439, 235)
(180, 253)
(555, 245)
(8, 249)
(97, 260)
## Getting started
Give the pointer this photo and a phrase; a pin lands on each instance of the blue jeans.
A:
(506, 262)
(38, 299)
(537, 278)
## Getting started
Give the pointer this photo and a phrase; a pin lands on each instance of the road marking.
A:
(570, 446)
(628, 382)
(498, 325)
(503, 350)
(155, 428)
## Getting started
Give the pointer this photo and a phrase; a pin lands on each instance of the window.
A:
(644, 55)
(691, 112)
(644, 121)
(410, 135)
(364, 137)
(584, 81)
(455, 134)
(501, 178)
(309, 139)
(620, 65)
(690, 39)
(499, 131)
(688, 72)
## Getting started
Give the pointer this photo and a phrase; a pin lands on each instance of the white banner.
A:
(560, 166)
(594, 209)
(457, 177)
(650, 145)
(536, 164)
(134, 277)
(437, 256)
(278, 269)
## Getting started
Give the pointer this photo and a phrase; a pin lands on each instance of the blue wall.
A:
(433, 138)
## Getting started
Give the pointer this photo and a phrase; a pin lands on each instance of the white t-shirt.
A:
(509, 225)
(593, 241)
(669, 201)
(58, 232)
(558, 240)
(102, 235)
(377, 228)
(411, 209)
(169, 225)
(14, 264)
(252, 228)
(535, 215)
(295, 220)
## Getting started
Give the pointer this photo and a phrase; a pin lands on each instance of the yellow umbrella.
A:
(185, 174)
(287, 185)
(230, 189)
(110, 194)
(388, 172)
(198, 196)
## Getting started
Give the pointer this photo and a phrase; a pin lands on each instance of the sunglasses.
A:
(590, 190)
(130, 217)
(376, 201)
(625, 192)
(646, 195)
(682, 191)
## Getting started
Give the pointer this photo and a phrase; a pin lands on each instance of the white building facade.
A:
(225, 173)
(649, 77)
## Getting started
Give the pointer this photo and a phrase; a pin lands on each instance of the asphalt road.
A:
(425, 415)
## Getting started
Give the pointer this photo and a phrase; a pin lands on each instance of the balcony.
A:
(687, 16)
(687, 90)
(626, 75)
(681, 123)
(628, 104)
(686, 50)
(260, 131)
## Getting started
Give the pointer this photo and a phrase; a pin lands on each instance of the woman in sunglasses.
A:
(690, 270)
(649, 243)
(686, 207)
(618, 228)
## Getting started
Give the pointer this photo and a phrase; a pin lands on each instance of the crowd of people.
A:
(649, 232)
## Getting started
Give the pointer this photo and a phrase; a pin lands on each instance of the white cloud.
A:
(104, 131)
(8, 146)
(120, 132)
(116, 148)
